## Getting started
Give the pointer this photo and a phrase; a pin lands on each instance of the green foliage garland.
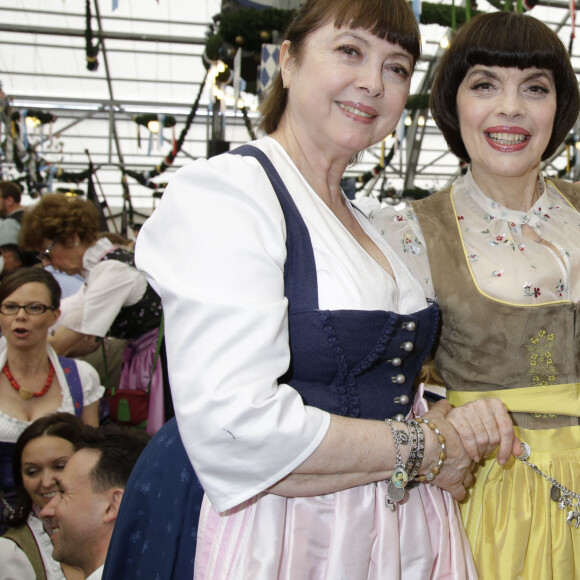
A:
(252, 27)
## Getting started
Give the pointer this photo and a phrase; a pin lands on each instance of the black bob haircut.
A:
(506, 39)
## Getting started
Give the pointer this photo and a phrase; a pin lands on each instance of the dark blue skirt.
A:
(162, 495)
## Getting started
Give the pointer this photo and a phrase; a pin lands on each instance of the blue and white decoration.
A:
(269, 65)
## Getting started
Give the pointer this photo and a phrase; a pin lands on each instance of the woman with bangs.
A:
(294, 338)
(503, 246)
(34, 380)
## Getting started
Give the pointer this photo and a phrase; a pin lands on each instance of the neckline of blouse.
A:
(493, 208)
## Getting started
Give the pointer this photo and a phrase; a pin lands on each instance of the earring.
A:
(284, 84)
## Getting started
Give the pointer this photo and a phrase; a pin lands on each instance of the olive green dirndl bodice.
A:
(529, 357)
(489, 345)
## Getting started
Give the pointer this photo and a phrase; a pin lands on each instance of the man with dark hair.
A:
(11, 211)
(82, 514)
(12, 258)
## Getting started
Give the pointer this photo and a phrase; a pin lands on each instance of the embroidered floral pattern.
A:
(543, 216)
(542, 370)
(528, 291)
(560, 288)
(407, 216)
(411, 244)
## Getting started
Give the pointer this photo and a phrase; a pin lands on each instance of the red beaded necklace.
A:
(27, 393)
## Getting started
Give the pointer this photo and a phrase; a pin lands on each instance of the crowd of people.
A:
(289, 331)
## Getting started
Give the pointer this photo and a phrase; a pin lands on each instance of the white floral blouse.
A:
(504, 264)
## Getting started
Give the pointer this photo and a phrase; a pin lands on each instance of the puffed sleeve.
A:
(92, 388)
(14, 564)
(401, 228)
(214, 250)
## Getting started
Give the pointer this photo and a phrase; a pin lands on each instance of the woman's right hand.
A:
(483, 426)
(455, 475)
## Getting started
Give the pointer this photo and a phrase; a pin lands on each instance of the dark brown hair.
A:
(63, 425)
(23, 276)
(506, 39)
(391, 20)
(119, 447)
(10, 189)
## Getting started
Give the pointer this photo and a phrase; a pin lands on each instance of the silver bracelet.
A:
(396, 484)
(565, 498)
(420, 453)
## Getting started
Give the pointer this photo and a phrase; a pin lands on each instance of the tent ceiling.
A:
(151, 62)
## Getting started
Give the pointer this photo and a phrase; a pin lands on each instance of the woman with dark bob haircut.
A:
(505, 39)
(501, 248)
(40, 455)
(292, 337)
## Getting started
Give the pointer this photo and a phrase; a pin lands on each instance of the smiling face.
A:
(43, 460)
(76, 513)
(348, 90)
(506, 116)
(24, 330)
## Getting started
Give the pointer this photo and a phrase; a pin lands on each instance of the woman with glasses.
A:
(117, 301)
(34, 381)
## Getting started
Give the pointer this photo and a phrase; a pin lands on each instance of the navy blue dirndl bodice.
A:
(8, 489)
(348, 362)
(355, 363)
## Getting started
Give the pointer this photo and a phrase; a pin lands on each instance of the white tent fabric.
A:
(150, 62)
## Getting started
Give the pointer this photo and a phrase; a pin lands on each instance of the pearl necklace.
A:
(27, 394)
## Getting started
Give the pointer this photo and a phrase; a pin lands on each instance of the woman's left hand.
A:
(484, 425)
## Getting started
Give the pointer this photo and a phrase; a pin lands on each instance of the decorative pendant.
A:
(403, 437)
(526, 452)
(400, 478)
(573, 516)
(555, 493)
(25, 393)
(394, 492)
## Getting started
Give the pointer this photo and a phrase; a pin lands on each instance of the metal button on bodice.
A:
(399, 379)
(396, 362)
(402, 400)
(399, 417)
(410, 326)
(407, 346)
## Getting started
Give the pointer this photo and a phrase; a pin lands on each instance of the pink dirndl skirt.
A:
(136, 372)
(347, 535)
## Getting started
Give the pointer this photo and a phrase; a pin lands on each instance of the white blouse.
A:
(214, 250)
(14, 563)
(109, 286)
(11, 427)
(505, 264)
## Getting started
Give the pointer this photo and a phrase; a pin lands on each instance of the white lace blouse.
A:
(504, 263)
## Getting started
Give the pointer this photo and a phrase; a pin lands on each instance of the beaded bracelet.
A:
(442, 455)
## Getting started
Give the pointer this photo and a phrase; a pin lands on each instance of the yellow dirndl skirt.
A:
(515, 530)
